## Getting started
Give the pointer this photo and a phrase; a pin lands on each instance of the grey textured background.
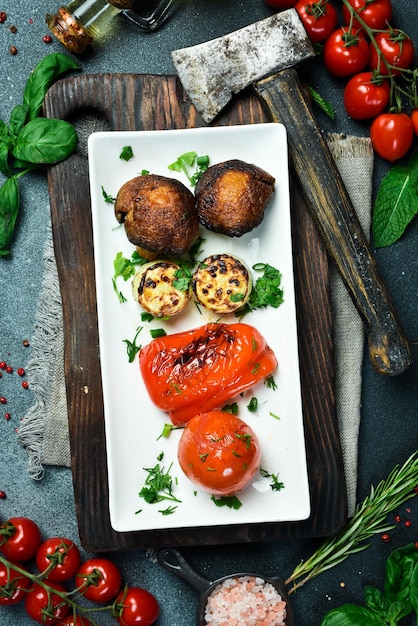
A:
(389, 406)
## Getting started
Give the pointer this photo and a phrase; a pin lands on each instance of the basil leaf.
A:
(9, 208)
(352, 615)
(375, 599)
(42, 77)
(18, 118)
(396, 203)
(400, 566)
(45, 141)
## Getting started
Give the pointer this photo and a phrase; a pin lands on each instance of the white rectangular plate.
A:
(133, 424)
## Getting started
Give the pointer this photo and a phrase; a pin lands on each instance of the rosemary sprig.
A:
(369, 518)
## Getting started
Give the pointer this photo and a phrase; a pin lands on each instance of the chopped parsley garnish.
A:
(158, 485)
(271, 383)
(231, 502)
(252, 406)
(132, 348)
(108, 198)
(123, 267)
(126, 153)
(188, 160)
(276, 484)
(183, 277)
(231, 408)
(157, 332)
(265, 292)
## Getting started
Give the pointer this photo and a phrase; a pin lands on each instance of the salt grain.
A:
(245, 601)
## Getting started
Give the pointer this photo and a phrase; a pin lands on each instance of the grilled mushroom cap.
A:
(231, 197)
(158, 213)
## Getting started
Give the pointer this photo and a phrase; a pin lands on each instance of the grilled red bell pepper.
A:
(195, 371)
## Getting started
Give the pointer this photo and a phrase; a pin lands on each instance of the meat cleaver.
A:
(263, 55)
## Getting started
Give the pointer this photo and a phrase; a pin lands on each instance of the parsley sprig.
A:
(266, 291)
(186, 161)
(158, 485)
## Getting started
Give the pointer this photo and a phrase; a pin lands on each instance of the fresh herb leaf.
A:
(187, 160)
(231, 502)
(270, 383)
(265, 292)
(108, 198)
(157, 332)
(126, 153)
(44, 141)
(168, 511)
(231, 408)
(396, 203)
(132, 348)
(183, 277)
(158, 485)
(9, 209)
(252, 406)
(168, 428)
(323, 104)
(124, 268)
(276, 484)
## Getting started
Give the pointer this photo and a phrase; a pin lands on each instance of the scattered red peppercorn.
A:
(3, 400)
(25, 343)
(47, 39)
(25, 384)
(3, 17)
(2, 365)
(2, 495)
(13, 50)
(7, 416)
(408, 510)
(385, 538)
(9, 369)
(20, 371)
(408, 523)
(397, 518)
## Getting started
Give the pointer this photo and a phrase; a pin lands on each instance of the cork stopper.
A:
(68, 31)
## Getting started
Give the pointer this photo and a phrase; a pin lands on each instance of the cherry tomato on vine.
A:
(375, 13)
(59, 558)
(45, 607)
(346, 52)
(13, 584)
(319, 18)
(414, 120)
(396, 47)
(99, 580)
(20, 538)
(281, 5)
(135, 605)
(391, 135)
(366, 96)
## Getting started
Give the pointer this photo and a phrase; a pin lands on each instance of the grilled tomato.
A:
(219, 452)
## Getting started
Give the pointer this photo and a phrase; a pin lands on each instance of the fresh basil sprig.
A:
(31, 141)
(398, 599)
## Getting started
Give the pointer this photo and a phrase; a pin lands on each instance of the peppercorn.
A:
(3, 17)
(13, 50)
(47, 39)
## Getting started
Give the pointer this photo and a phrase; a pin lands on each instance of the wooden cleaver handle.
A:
(326, 197)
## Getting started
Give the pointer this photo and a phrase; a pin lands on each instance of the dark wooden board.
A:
(143, 102)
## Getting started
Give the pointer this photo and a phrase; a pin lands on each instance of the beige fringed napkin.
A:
(44, 431)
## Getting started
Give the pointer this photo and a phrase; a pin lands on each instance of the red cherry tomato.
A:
(99, 580)
(319, 18)
(414, 120)
(346, 52)
(78, 620)
(136, 606)
(13, 584)
(59, 558)
(20, 538)
(280, 4)
(219, 452)
(45, 607)
(366, 96)
(397, 49)
(375, 13)
(391, 135)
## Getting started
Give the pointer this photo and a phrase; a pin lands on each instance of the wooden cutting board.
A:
(144, 102)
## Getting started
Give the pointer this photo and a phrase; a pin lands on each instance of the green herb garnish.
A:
(132, 348)
(231, 408)
(158, 485)
(188, 160)
(252, 406)
(276, 484)
(126, 153)
(266, 291)
(231, 502)
(122, 268)
(107, 197)
(157, 332)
